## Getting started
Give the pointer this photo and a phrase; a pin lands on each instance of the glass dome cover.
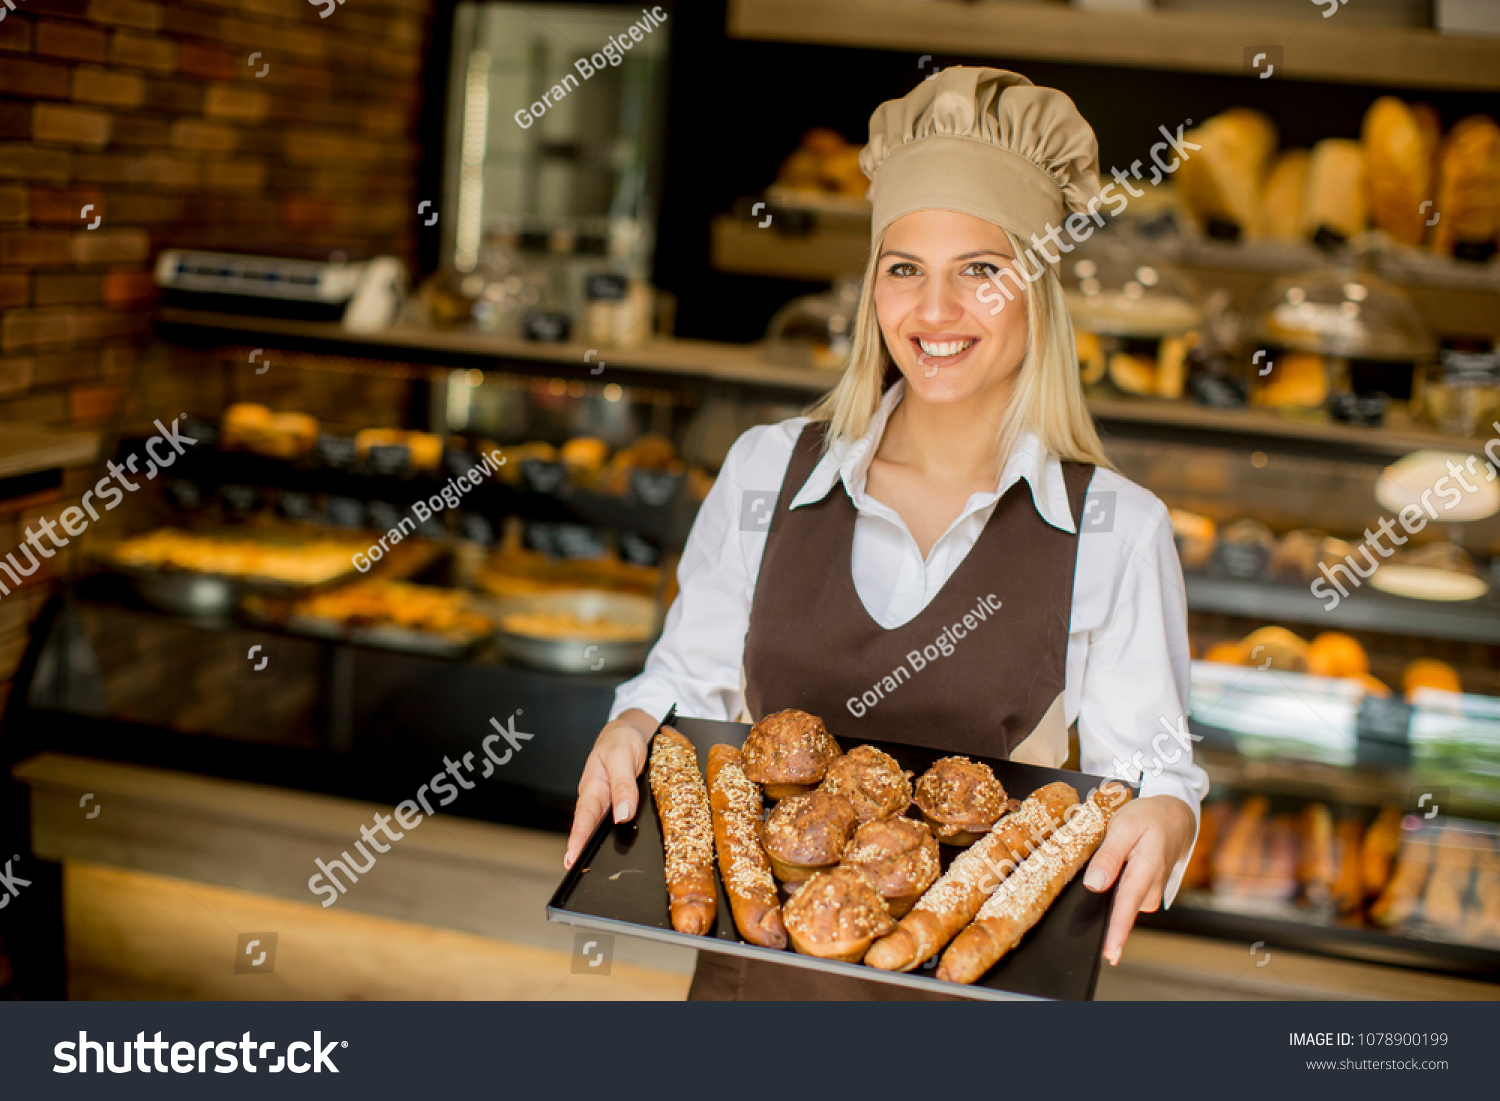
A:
(1341, 312)
(1111, 291)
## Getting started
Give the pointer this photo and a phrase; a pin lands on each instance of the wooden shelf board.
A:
(742, 364)
(1175, 40)
(25, 449)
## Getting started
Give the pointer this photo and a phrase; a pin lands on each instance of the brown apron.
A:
(812, 645)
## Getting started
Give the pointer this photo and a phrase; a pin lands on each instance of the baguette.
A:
(737, 809)
(1348, 889)
(950, 903)
(1378, 851)
(1024, 897)
(687, 832)
(1317, 861)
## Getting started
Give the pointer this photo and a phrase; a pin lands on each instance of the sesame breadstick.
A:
(737, 811)
(687, 831)
(951, 903)
(1023, 898)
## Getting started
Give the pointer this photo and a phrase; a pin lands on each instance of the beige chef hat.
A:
(985, 142)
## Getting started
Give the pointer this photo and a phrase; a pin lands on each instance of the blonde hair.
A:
(1047, 396)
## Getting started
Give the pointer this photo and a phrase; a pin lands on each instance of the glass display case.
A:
(1322, 729)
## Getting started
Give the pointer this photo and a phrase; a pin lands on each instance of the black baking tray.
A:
(619, 885)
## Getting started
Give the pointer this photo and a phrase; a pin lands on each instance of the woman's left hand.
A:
(1147, 837)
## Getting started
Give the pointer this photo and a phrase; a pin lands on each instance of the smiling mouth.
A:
(944, 349)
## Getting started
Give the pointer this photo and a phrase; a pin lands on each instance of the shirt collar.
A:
(849, 461)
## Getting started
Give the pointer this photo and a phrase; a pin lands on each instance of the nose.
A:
(940, 302)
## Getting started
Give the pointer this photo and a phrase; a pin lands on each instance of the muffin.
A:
(806, 833)
(836, 915)
(871, 780)
(788, 753)
(960, 799)
(899, 855)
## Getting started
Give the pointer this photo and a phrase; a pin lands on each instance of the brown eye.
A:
(982, 269)
(902, 269)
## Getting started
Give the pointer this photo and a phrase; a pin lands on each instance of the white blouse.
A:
(1127, 658)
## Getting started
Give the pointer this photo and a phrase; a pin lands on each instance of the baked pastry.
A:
(1220, 183)
(1281, 198)
(960, 799)
(1171, 365)
(687, 831)
(1024, 896)
(1348, 891)
(584, 456)
(1198, 874)
(836, 914)
(788, 753)
(1296, 554)
(900, 856)
(1335, 654)
(1334, 199)
(1403, 894)
(1091, 357)
(871, 780)
(951, 903)
(806, 833)
(746, 871)
(1298, 381)
(1238, 856)
(1194, 536)
(1317, 857)
(1452, 867)
(1400, 169)
(1378, 851)
(1429, 673)
(1468, 193)
(1278, 646)
(1133, 374)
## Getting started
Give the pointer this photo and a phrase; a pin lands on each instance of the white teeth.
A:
(945, 348)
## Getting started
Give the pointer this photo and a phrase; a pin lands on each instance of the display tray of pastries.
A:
(393, 615)
(205, 572)
(1350, 880)
(846, 875)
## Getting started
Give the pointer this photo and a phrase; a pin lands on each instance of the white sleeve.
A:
(1132, 718)
(696, 663)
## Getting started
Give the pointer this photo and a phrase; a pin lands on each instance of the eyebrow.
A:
(966, 256)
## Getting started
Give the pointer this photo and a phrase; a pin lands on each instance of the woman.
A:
(954, 464)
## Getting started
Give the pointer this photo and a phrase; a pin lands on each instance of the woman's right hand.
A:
(609, 776)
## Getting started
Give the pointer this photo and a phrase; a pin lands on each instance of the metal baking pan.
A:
(579, 655)
(619, 886)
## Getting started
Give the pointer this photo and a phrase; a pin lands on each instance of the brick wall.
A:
(154, 114)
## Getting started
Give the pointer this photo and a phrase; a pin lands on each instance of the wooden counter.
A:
(162, 882)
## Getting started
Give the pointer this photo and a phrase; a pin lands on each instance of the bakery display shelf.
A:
(1365, 609)
(653, 507)
(618, 885)
(1182, 41)
(441, 350)
(1199, 913)
(690, 361)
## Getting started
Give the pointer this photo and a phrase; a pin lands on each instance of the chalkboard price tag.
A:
(1384, 719)
(336, 451)
(654, 487)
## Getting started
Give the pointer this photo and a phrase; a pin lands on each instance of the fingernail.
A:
(567, 862)
(622, 811)
(1094, 880)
